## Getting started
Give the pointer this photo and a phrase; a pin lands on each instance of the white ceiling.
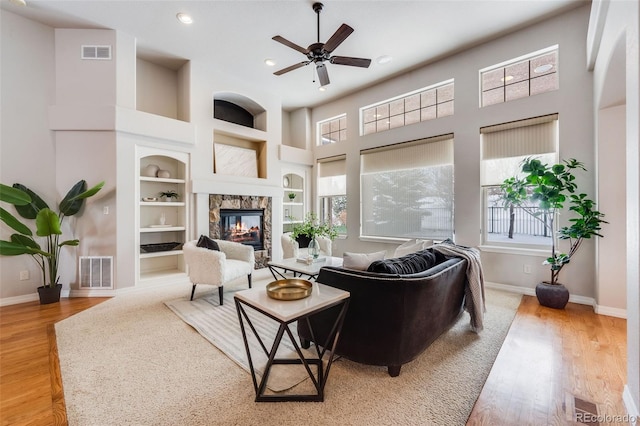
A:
(235, 36)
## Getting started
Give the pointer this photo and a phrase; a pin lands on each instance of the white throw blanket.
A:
(474, 291)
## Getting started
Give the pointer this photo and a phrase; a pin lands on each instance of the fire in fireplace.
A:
(242, 226)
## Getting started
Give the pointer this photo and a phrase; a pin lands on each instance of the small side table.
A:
(285, 313)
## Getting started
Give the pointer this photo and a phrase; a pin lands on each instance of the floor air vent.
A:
(96, 52)
(96, 272)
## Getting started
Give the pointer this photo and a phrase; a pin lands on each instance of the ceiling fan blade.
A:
(292, 67)
(323, 75)
(290, 44)
(338, 37)
(354, 62)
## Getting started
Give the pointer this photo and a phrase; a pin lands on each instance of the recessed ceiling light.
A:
(384, 59)
(19, 2)
(269, 62)
(507, 78)
(184, 18)
(543, 68)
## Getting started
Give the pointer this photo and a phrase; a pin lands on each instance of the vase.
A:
(314, 248)
(49, 294)
(151, 170)
(552, 295)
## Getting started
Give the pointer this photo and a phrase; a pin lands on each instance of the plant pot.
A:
(49, 294)
(553, 296)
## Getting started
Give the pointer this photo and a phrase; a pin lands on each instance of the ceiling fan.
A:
(318, 52)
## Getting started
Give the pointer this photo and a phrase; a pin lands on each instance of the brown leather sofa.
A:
(392, 318)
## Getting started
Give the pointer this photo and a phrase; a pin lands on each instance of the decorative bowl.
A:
(152, 248)
(289, 289)
(149, 199)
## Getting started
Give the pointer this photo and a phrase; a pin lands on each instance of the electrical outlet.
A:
(105, 210)
(24, 275)
(526, 269)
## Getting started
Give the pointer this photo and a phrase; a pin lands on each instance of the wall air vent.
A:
(96, 52)
(96, 272)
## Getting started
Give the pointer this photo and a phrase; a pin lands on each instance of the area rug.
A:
(220, 326)
(132, 361)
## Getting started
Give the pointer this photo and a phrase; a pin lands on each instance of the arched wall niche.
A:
(239, 109)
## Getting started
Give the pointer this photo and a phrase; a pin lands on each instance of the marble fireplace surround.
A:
(239, 202)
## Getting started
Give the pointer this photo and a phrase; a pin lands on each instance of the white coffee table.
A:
(286, 312)
(279, 268)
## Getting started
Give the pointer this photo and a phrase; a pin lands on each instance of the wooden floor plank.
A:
(30, 388)
(548, 358)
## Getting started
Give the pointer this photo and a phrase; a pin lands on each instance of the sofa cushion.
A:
(207, 243)
(360, 261)
(412, 246)
(409, 264)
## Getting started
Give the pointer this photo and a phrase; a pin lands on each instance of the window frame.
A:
(421, 93)
(513, 62)
(338, 119)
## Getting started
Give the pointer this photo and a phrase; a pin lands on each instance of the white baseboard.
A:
(611, 312)
(6, 301)
(630, 405)
(581, 300)
(89, 292)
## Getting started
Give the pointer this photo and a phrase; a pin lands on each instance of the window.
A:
(407, 189)
(526, 76)
(332, 191)
(503, 148)
(332, 130)
(422, 105)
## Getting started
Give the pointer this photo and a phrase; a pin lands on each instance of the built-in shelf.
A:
(161, 254)
(292, 211)
(162, 221)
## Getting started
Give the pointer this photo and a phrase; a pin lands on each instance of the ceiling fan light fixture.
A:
(322, 88)
(384, 59)
(184, 18)
(269, 62)
(19, 2)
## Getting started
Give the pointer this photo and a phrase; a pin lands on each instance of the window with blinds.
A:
(503, 149)
(407, 189)
(332, 192)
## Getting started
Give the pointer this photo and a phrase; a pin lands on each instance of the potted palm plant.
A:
(48, 226)
(551, 187)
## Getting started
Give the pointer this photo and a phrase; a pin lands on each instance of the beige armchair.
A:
(291, 248)
(212, 267)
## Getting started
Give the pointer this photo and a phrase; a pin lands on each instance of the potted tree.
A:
(48, 226)
(551, 187)
(310, 229)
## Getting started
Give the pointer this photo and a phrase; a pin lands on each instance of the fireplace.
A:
(245, 226)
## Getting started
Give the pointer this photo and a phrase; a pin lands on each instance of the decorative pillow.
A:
(360, 261)
(409, 264)
(207, 243)
(412, 246)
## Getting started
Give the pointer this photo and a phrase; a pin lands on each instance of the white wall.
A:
(27, 150)
(621, 22)
(573, 102)
(611, 289)
(156, 89)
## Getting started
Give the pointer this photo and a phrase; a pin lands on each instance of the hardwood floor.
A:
(552, 362)
(30, 385)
